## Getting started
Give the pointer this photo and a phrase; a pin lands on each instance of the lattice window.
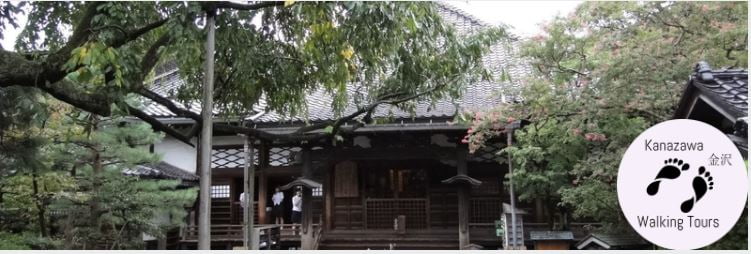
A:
(382, 212)
(220, 191)
(284, 156)
(484, 210)
(489, 153)
(318, 192)
(234, 157)
(231, 157)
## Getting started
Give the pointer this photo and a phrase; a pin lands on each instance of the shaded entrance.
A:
(371, 194)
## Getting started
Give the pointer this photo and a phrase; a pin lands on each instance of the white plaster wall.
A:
(177, 153)
(183, 156)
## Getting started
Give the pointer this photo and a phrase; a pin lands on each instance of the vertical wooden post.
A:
(427, 200)
(263, 155)
(249, 189)
(204, 220)
(306, 239)
(463, 197)
(262, 193)
(328, 191)
(161, 243)
(509, 135)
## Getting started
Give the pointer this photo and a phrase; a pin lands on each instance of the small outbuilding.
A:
(552, 240)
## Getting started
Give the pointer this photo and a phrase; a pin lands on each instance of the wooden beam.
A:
(428, 152)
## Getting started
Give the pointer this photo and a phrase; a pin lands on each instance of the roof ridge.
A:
(445, 5)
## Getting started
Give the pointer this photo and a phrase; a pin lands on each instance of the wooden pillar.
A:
(306, 239)
(262, 199)
(263, 155)
(463, 197)
(249, 189)
(328, 192)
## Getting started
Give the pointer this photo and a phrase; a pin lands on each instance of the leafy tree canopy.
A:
(602, 76)
(96, 55)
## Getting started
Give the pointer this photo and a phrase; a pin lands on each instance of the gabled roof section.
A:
(612, 241)
(725, 88)
(725, 91)
(478, 96)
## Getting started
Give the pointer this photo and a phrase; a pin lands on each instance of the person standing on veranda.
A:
(277, 212)
(297, 209)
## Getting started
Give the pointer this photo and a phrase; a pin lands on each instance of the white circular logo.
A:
(682, 184)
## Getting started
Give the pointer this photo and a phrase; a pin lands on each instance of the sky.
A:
(523, 16)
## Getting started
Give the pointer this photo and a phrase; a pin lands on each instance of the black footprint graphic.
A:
(669, 171)
(701, 184)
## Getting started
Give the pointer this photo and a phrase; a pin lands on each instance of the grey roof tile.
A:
(161, 170)
(728, 88)
(615, 240)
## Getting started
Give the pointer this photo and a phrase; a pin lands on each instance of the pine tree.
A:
(109, 210)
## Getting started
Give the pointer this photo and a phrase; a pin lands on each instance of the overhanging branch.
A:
(159, 126)
(247, 7)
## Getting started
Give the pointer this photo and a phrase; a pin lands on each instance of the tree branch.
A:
(247, 7)
(159, 126)
(149, 60)
(135, 34)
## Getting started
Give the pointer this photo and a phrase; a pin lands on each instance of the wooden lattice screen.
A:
(228, 157)
(484, 210)
(284, 155)
(234, 157)
(380, 213)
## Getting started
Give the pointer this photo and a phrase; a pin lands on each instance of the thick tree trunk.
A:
(39, 203)
(94, 204)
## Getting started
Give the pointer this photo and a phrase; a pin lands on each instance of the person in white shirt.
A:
(242, 200)
(297, 208)
(277, 212)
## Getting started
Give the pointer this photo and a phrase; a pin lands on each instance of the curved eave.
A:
(462, 179)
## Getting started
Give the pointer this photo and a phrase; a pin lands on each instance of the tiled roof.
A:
(161, 170)
(477, 96)
(727, 88)
(167, 84)
(614, 240)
